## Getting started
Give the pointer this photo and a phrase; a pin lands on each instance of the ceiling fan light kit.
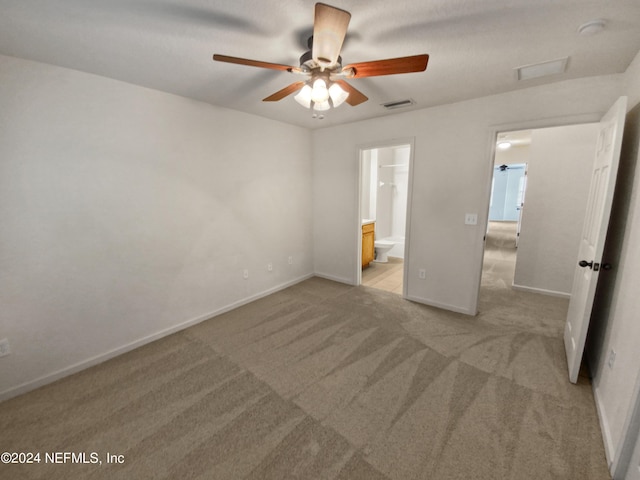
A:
(337, 95)
(326, 87)
(319, 97)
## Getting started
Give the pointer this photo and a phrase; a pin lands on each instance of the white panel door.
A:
(603, 180)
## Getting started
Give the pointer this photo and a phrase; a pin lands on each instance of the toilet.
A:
(382, 249)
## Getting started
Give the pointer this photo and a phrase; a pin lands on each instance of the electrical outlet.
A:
(270, 267)
(4, 347)
(422, 274)
(470, 218)
(612, 358)
(245, 273)
(290, 260)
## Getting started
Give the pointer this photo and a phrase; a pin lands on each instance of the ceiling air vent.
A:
(398, 104)
(553, 67)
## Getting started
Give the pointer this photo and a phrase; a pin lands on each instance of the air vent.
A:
(554, 67)
(398, 104)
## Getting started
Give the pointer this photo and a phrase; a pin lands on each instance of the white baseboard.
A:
(335, 278)
(90, 362)
(541, 291)
(444, 306)
(609, 449)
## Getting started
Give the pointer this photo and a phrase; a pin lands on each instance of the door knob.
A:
(584, 263)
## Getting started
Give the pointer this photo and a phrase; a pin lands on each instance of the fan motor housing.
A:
(308, 63)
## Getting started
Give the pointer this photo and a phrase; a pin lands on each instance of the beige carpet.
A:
(327, 381)
(499, 256)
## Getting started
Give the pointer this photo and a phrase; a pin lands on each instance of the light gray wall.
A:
(128, 213)
(560, 164)
(453, 163)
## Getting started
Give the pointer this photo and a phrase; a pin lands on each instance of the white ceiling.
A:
(474, 45)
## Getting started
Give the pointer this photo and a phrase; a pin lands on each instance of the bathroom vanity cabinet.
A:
(368, 240)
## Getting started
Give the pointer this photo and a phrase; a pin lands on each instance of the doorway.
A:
(506, 204)
(545, 239)
(384, 197)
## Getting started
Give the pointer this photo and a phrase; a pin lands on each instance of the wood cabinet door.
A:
(368, 247)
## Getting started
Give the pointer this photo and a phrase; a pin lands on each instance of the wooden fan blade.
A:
(251, 63)
(356, 97)
(329, 29)
(415, 63)
(286, 91)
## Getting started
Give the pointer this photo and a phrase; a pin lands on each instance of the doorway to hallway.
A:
(506, 204)
(553, 205)
(499, 255)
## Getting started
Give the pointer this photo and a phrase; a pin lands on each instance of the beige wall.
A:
(560, 163)
(128, 213)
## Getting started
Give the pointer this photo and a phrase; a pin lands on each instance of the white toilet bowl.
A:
(382, 249)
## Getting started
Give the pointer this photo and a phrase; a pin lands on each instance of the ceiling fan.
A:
(325, 86)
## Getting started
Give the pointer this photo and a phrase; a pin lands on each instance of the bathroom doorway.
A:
(384, 196)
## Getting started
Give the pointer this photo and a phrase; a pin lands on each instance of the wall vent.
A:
(398, 104)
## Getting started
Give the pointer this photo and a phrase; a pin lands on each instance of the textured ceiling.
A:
(474, 45)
